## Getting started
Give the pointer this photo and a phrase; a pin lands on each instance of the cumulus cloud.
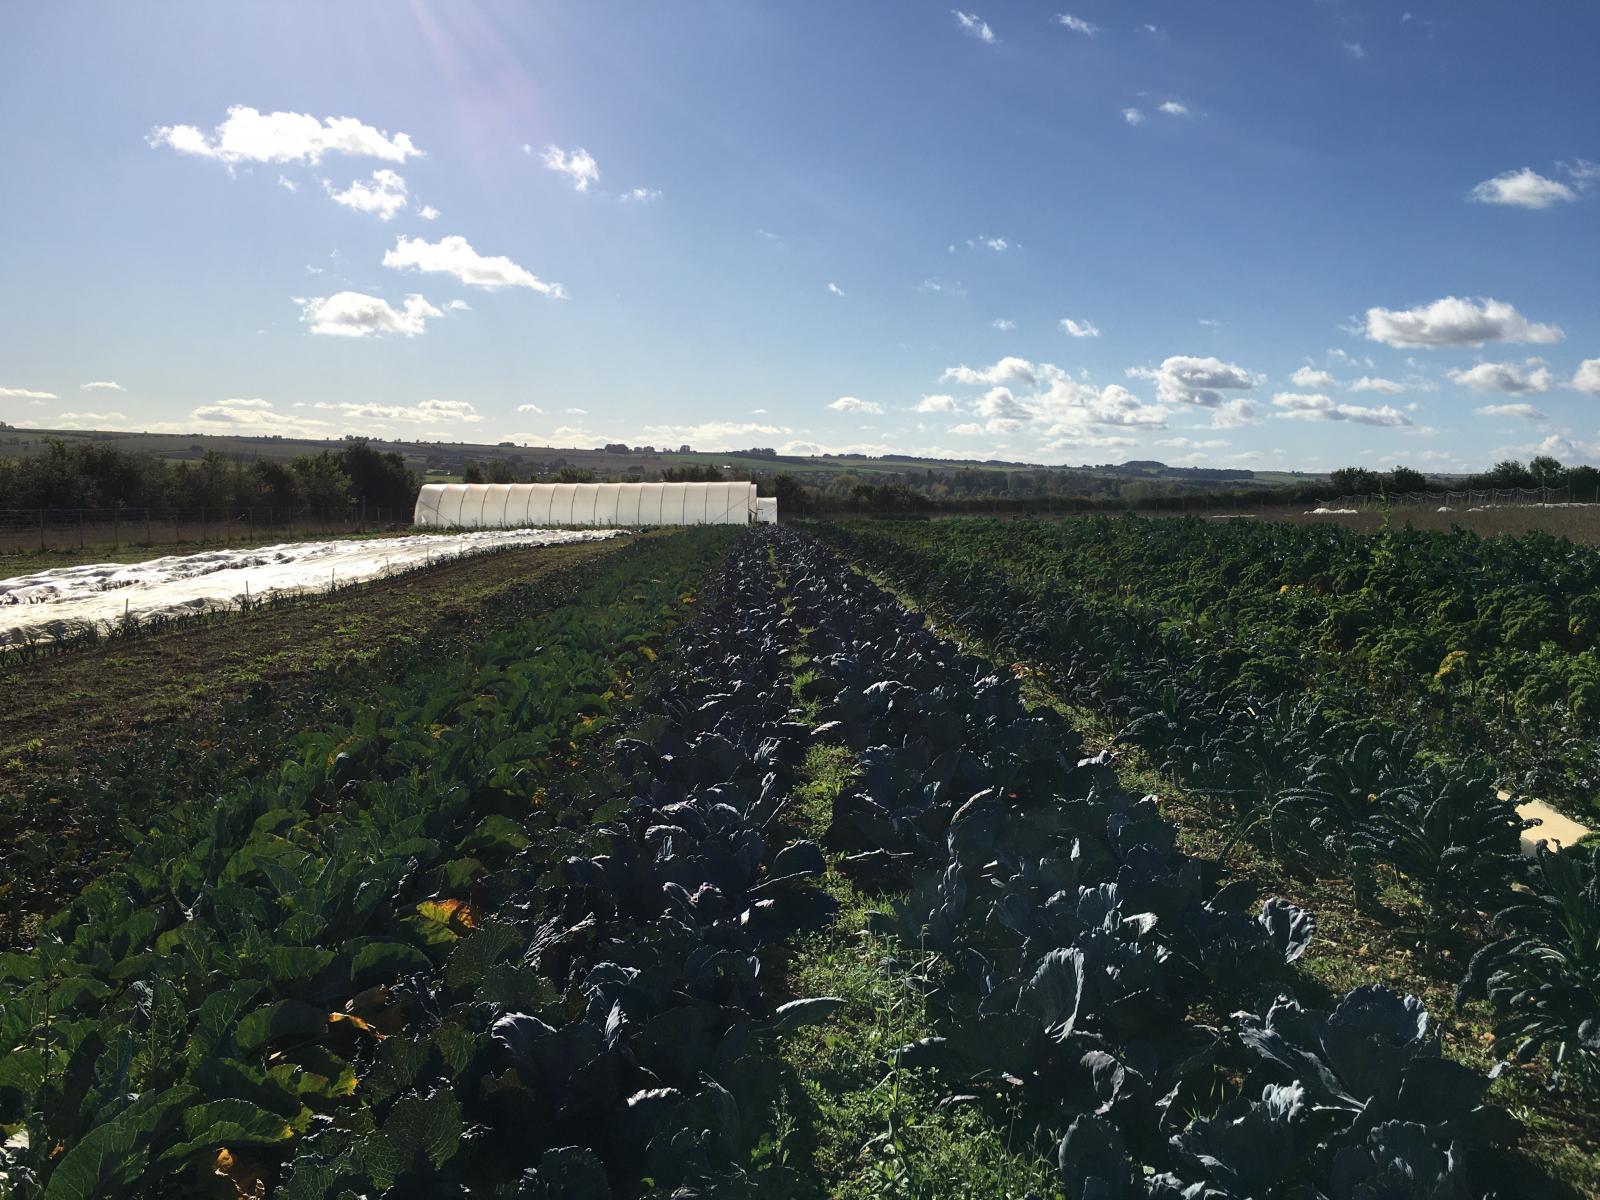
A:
(1009, 370)
(1053, 403)
(936, 404)
(1455, 321)
(1233, 414)
(1133, 116)
(1587, 377)
(530, 408)
(578, 166)
(641, 195)
(835, 289)
(383, 197)
(246, 416)
(353, 314)
(90, 420)
(968, 429)
(1173, 109)
(1525, 188)
(1315, 407)
(1526, 411)
(453, 256)
(1003, 323)
(1077, 24)
(428, 412)
(1084, 329)
(849, 404)
(1311, 377)
(1375, 383)
(998, 244)
(1186, 379)
(247, 135)
(972, 24)
(16, 393)
(102, 385)
(428, 212)
(711, 435)
(458, 306)
(1505, 377)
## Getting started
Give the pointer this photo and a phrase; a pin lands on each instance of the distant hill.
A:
(445, 460)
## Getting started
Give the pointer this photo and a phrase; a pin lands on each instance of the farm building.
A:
(539, 505)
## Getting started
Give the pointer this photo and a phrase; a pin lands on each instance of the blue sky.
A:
(1285, 233)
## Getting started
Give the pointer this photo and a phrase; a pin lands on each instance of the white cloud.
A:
(835, 289)
(1133, 116)
(240, 416)
(1587, 377)
(1453, 321)
(998, 244)
(969, 429)
(641, 195)
(1173, 109)
(1077, 24)
(936, 404)
(935, 285)
(1009, 370)
(1085, 329)
(1055, 405)
(1003, 323)
(102, 385)
(1315, 407)
(1185, 379)
(458, 306)
(1526, 411)
(90, 420)
(353, 314)
(850, 404)
(1505, 377)
(247, 135)
(453, 256)
(288, 184)
(1311, 377)
(972, 24)
(1522, 189)
(578, 166)
(1374, 383)
(530, 408)
(11, 393)
(428, 212)
(711, 435)
(428, 412)
(576, 412)
(383, 197)
(1354, 49)
(1233, 414)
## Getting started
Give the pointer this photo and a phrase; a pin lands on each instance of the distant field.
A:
(1578, 523)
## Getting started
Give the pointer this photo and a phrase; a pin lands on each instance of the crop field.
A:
(1105, 859)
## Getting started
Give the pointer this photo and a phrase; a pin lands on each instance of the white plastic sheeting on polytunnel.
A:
(603, 505)
(767, 510)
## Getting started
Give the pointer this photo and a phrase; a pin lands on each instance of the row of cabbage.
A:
(441, 955)
(1085, 969)
(1490, 645)
(1355, 796)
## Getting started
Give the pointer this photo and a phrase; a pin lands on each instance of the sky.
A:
(1278, 234)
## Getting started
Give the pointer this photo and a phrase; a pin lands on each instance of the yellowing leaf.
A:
(648, 653)
(449, 912)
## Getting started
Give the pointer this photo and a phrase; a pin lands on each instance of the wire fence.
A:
(42, 529)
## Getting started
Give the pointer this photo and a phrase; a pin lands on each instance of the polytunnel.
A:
(541, 505)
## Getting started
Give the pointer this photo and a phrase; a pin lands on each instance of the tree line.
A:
(95, 475)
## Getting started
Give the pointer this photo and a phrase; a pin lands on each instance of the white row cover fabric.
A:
(767, 510)
(540, 505)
